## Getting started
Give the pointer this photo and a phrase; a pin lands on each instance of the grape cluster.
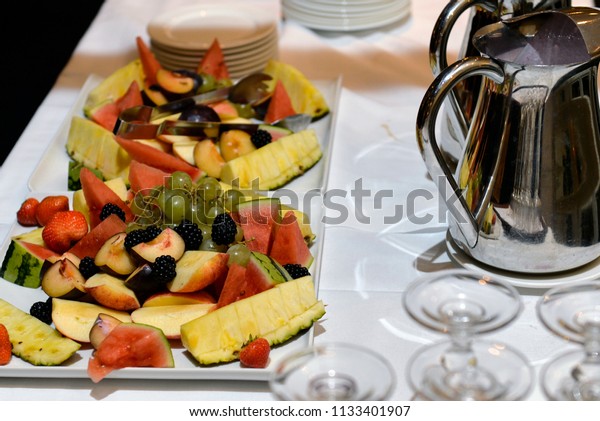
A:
(180, 200)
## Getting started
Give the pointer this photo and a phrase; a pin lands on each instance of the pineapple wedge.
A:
(33, 340)
(276, 314)
(275, 164)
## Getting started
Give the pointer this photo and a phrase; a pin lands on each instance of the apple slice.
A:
(157, 144)
(114, 258)
(170, 318)
(62, 279)
(208, 158)
(168, 242)
(166, 298)
(111, 292)
(75, 319)
(103, 325)
(185, 151)
(197, 269)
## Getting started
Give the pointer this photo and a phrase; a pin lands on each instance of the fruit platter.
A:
(150, 260)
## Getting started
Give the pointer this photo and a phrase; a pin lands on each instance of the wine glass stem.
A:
(460, 355)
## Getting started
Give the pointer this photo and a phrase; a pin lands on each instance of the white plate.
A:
(185, 365)
(524, 280)
(196, 27)
(52, 171)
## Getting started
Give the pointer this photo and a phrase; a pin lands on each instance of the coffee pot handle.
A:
(432, 155)
(438, 44)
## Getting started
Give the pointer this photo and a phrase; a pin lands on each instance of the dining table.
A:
(381, 224)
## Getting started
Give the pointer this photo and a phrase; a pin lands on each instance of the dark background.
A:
(35, 54)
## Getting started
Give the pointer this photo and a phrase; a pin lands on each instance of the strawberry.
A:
(49, 206)
(64, 229)
(256, 353)
(26, 213)
(5, 346)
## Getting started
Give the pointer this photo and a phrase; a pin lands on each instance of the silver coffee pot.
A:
(460, 105)
(525, 195)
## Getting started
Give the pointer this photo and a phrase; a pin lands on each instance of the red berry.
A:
(27, 211)
(5, 346)
(256, 353)
(64, 229)
(49, 206)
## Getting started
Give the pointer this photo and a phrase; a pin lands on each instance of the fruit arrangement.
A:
(159, 259)
(198, 122)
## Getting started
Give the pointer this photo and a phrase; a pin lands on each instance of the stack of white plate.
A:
(248, 37)
(346, 15)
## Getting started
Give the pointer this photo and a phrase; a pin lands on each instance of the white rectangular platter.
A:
(185, 365)
(51, 173)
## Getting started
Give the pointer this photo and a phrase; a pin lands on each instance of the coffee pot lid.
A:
(546, 38)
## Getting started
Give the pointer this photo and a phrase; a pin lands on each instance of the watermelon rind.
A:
(23, 262)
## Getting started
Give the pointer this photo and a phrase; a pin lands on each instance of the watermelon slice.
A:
(280, 104)
(97, 194)
(288, 243)
(130, 345)
(260, 274)
(93, 240)
(150, 64)
(23, 263)
(158, 159)
(258, 218)
(213, 62)
(143, 178)
(108, 114)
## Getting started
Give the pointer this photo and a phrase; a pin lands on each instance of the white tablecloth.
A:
(365, 266)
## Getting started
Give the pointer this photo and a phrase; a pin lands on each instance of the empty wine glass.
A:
(573, 313)
(333, 372)
(464, 304)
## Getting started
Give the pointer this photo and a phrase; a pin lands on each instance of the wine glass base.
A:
(560, 380)
(493, 371)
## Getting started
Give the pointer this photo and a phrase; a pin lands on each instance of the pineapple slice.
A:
(305, 97)
(275, 164)
(33, 340)
(276, 314)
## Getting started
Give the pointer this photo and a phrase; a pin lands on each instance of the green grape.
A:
(209, 83)
(208, 188)
(161, 198)
(212, 213)
(232, 198)
(180, 180)
(209, 245)
(176, 206)
(238, 253)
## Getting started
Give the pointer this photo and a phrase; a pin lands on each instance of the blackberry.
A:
(296, 270)
(135, 237)
(152, 232)
(163, 268)
(224, 229)
(261, 138)
(87, 267)
(109, 209)
(191, 234)
(42, 310)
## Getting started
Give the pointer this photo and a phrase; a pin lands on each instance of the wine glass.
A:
(573, 313)
(463, 304)
(333, 372)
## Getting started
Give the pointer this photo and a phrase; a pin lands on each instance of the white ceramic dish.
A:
(524, 280)
(185, 365)
(197, 26)
(51, 173)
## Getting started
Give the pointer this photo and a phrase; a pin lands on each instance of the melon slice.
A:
(213, 62)
(289, 245)
(23, 263)
(97, 194)
(150, 64)
(130, 345)
(280, 105)
(258, 218)
(108, 114)
(143, 178)
(95, 239)
(157, 159)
